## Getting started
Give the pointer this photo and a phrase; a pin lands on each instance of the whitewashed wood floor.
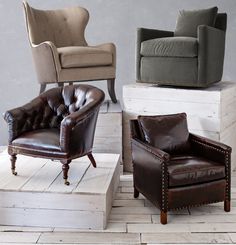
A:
(136, 221)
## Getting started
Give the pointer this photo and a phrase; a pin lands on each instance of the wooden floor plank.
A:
(75, 174)
(185, 238)
(128, 203)
(156, 228)
(187, 219)
(111, 227)
(102, 238)
(130, 218)
(42, 180)
(20, 237)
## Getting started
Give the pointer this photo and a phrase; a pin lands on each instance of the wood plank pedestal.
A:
(37, 196)
(211, 112)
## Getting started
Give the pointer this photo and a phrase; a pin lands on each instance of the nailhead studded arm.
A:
(150, 172)
(210, 149)
(214, 151)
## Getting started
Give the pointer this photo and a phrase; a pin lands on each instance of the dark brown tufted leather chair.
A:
(58, 124)
(175, 169)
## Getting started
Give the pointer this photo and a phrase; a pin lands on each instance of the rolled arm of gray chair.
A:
(211, 52)
(144, 34)
(46, 61)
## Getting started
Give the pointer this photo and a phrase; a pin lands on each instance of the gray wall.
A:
(110, 21)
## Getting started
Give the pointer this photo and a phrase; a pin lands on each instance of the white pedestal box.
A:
(37, 196)
(108, 134)
(211, 112)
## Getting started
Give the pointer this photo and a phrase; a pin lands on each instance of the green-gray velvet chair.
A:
(183, 58)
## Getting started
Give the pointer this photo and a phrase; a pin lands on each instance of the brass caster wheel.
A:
(67, 182)
(14, 172)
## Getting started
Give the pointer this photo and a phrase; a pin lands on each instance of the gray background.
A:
(110, 21)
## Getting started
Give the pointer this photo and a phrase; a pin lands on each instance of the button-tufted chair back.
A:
(63, 27)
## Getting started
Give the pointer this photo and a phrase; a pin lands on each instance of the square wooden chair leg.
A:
(163, 218)
(227, 205)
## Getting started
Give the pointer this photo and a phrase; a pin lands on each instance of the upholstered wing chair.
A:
(192, 56)
(175, 169)
(59, 124)
(60, 51)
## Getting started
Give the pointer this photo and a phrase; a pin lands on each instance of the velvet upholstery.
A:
(166, 60)
(61, 52)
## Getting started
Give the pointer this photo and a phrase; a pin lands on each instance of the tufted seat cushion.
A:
(83, 57)
(170, 47)
(188, 170)
(42, 139)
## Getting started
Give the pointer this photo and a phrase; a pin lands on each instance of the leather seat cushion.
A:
(80, 56)
(42, 139)
(170, 47)
(188, 170)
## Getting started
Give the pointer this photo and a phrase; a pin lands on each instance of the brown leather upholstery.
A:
(188, 170)
(198, 174)
(58, 124)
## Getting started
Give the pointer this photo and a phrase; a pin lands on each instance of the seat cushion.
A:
(188, 170)
(166, 132)
(80, 56)
(170, 47)
(42, 139)
(189, 20)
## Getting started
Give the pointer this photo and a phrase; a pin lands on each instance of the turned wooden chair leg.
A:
(65, 169)
(42, 88)
(13, 164)
(60, 84)
(163, 218)
(92, 160)
(136, 193)
(227, 205)
(111, 89)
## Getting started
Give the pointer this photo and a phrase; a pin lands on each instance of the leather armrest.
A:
(150, 172)
(20, 119)
(211, 52)
(77, 129)
(144, 34)
(210, 149)
(46, 60)
(161, 155)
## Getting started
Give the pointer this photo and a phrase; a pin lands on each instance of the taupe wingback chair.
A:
(60, 51)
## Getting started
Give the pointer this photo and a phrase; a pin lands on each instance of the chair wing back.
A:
(221, 21)
(63, 27)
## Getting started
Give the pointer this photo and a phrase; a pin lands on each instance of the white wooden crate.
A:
(211, 111)
(37, 196)
(108, 134)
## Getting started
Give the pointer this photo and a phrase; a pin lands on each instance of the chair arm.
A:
(150, 172)
(110, 47)
(211, 52)
(77, 129)
(46, 60)
(144, 34)
(210, 149)
(22, 119)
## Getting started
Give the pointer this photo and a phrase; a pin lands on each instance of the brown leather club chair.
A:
(175, 169)
(58, 124)
(61, 52)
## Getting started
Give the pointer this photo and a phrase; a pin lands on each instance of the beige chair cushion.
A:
(72, 57)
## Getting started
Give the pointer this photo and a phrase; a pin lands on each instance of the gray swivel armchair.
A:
(192, 56)
(61, 52)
